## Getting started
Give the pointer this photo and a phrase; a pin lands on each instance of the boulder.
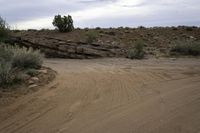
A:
(32, 86)
(30, 82)
(44, 71)
(34, 79)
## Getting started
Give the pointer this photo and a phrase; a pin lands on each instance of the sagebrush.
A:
(137, 52)
(91, 37)
(186, 48)
(9, 75)
(15, 62)
(26, 58)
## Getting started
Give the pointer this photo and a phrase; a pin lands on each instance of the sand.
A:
(111, 96)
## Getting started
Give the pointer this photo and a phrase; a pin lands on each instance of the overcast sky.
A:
(27, 14)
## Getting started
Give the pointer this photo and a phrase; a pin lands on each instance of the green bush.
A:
(137, 52)
(64, 24)
(3, 29)
(26, 58)
(91, 37)
(186, 48)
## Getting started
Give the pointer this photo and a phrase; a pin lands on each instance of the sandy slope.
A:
(111, 96)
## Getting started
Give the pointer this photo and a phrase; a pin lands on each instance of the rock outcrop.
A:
(56, 48)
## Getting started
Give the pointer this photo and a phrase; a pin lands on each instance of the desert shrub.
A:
(102, 31)
(121, 27)
(44, 30)
(91, 37)
(186, 48)
(137, 52)
(98, 28)
(78, 28)
(32, 72)
(6, 54)
(174, 28)
(86, 29)
(16, 62)
(32, 30)
(8, 74)
(3, 29)
(141, 27)
(112, 33)
(64, 24)
(26, 58)
(127, 28)
(16, 31)
(22, 58)
(189, 28)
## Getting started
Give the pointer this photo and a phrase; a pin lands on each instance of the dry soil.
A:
(111, 96)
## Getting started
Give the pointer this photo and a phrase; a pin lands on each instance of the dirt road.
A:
(111, 96)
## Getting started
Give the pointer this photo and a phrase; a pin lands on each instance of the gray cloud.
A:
(31, 9)
(96, 1)
(149, 13)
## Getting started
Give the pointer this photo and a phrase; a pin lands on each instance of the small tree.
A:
(64, 24)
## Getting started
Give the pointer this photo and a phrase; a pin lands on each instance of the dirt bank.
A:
(111, 96)
(108, 43)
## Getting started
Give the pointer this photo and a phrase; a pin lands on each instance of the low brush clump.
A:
(26, 58)
(137, 52)
(91, 37)
(8, 74)
(186, 48)
(14, 63)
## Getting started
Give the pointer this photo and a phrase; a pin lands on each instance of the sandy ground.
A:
(111, 96)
